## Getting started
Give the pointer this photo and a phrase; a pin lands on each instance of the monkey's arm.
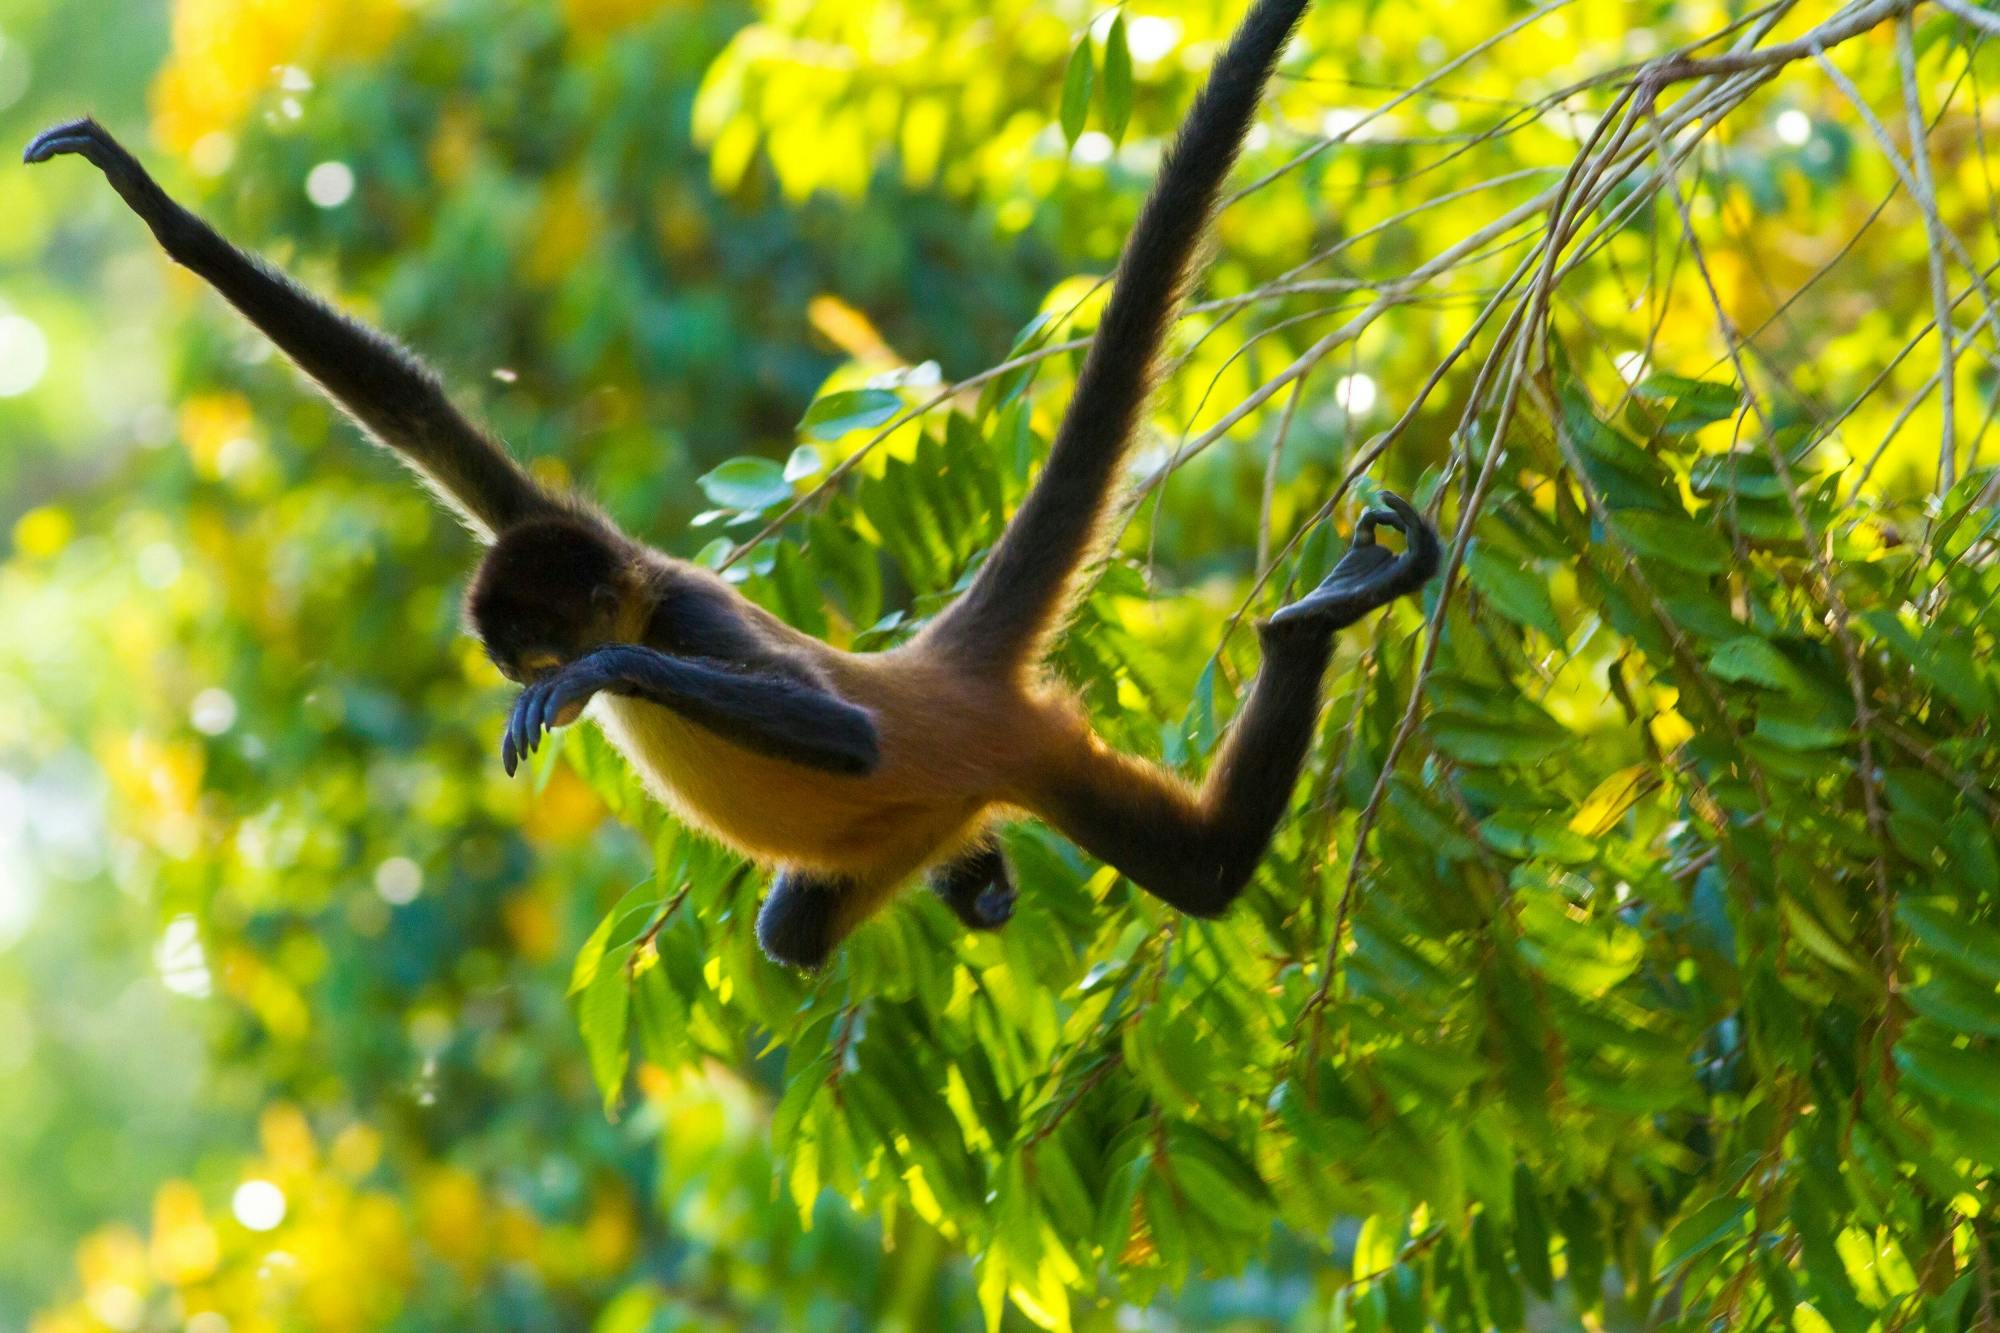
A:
(394, 396)
(770, 714)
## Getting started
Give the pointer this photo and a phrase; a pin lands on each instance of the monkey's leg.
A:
(1196, 850)
(977, 887)
(799, 923)
(770, 714)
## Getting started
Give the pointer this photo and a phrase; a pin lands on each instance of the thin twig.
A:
(1926, 195)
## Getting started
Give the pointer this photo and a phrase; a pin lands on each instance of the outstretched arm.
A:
(772, 715)
(395, 397)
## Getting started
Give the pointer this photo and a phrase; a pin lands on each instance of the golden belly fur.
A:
(928, 797)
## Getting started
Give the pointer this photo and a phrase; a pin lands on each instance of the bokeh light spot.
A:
(1355, 393)
(1093, 147)
(258, 1204)
(24, 355)
(213, 711)
(398, 880)
(182, 962)
(1149, 37)
(330, 184)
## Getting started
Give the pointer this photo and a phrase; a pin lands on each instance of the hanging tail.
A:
(1024, 590)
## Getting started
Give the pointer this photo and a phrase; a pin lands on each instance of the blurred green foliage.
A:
(1661, 989)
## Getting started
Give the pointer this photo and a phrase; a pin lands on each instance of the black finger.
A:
(524, 722)
(1424, 545)
(511, 743)
(531, 716)
(552, 704)
(1406, 516)
(45, 146)
(75, 136)
(538, 714)
(1364, 529)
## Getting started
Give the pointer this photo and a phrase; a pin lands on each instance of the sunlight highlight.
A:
(24, 355)
(1355, 393)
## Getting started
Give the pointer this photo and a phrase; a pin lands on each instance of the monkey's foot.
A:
(547, 704)
(1369, 575)
(977, 888)
(993, 908)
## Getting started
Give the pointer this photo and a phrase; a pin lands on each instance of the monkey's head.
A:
(547, 592)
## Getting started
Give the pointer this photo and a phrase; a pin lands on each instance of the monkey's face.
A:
(546, 594)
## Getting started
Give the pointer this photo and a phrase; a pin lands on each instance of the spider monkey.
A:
(854, 773)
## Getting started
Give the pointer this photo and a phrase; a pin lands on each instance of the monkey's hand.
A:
(1369, 575)
(554, 701)
(171, 224)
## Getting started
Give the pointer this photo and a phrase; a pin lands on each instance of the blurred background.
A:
(238, 693)
(285, 1032)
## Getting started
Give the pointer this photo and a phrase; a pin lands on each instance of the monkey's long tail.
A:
(1022, 593)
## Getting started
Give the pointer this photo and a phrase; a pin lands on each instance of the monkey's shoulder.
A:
(690, 612)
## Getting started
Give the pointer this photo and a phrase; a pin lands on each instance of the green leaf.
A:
(1971, 861)
(752, 484)
(835, 415)
(1503, 1296)
(1690, 404)
(1003, 389)
(591, 956)
(1583, 1244)
(1796, 733)
(1517, 592)
(1476, 741)
(1700, 1231)
(1752, 659)
(1958, 1075)
(1223, 1184)
(1743, 473)
(1958, 1004)
(1116, 103)
(1522, 833)
(1969, 945)
(617, 926)
(601, 1016)
(803, 463)
(1077, 81)
(1531, 1235)
(1672, 538)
